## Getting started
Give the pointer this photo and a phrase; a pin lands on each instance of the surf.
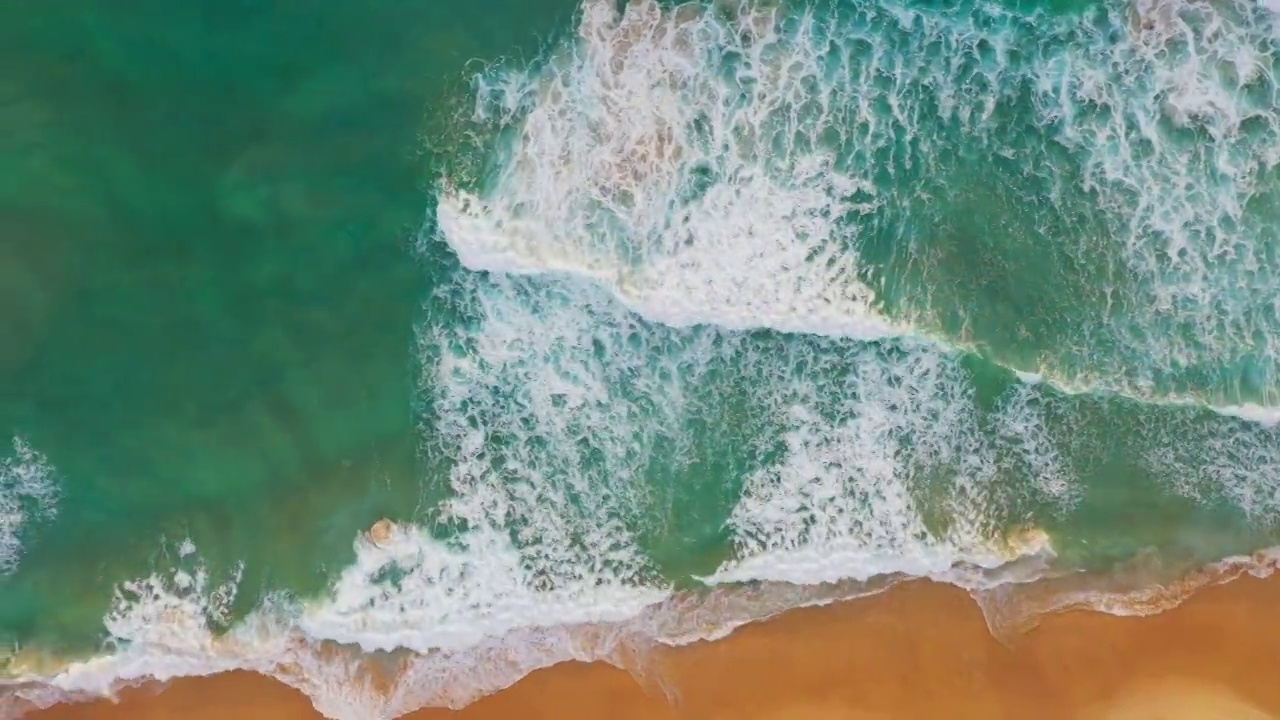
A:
(703, 275)
(29, 494)
(755, 166)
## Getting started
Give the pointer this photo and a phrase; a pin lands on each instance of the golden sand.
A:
(920, 650)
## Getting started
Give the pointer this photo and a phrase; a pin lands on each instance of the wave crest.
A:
(661, 155)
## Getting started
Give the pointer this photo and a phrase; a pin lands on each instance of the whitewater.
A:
(716, 255)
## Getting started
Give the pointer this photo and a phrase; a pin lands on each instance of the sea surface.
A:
(397, 349)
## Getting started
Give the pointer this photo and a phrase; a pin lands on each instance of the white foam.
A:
(28, 493)
(849, 558)
(597, 185)
(555, 404)
(1029, 378)
(692, 192)
(717, 168)
(844, 500)
(657, 162)
(171, 624)
(1173, 143)
(1264, 416)
(1178, 127)
(1138, 588)
(454, 598)
(168, 609)
(1021, 432)
(1204, 461)
(548, 405)
(162, 625)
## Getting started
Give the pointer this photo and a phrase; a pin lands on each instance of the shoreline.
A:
(919, 649)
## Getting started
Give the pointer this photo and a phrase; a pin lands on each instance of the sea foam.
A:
(733, 166)
(661, 155)
(164, 627)
(674, 244)
(28, 493)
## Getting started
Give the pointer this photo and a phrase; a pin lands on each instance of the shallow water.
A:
(596, 305)
(210, 288)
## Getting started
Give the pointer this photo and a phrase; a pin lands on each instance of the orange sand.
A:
(919, 650)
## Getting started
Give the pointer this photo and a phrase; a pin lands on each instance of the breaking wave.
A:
(1091, 198)
(750, 245)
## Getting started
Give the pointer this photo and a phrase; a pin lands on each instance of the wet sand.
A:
(920, 650)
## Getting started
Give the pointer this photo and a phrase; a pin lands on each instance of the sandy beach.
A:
(920, 650)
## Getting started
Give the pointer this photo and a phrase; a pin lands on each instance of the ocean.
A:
(397, 349)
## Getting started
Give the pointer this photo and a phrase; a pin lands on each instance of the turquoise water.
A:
(655, 321)
(210, 286)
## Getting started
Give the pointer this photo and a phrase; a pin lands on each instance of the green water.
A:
(599, 306)
(209, 287)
